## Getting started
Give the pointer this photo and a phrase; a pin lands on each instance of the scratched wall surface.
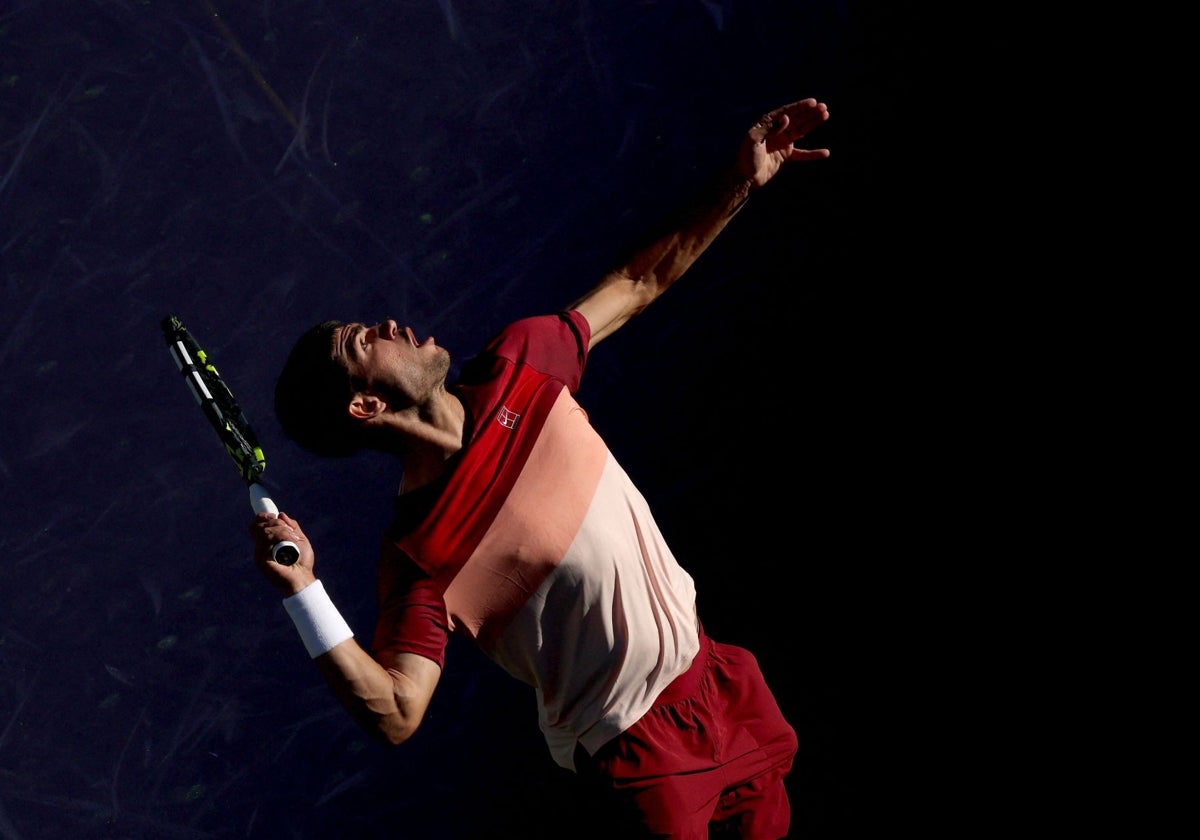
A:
(256, 167)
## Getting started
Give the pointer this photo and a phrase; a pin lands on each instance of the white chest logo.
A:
(507, 419)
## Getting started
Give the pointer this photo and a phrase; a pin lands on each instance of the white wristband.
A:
(320, 624)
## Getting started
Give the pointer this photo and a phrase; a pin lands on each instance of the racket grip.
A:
(285, 553)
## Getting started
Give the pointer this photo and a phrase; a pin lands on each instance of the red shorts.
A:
(712, 752)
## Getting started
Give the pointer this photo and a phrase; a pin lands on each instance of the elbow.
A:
(384, 722)
(388, 706)
(391, 729)
(388, 739)
(396, 733)
(387, 733)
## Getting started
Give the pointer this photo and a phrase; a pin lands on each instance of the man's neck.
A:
(432, 441)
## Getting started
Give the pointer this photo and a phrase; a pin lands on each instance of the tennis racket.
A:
(229, 421)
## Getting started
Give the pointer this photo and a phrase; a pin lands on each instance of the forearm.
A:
(658, 264)
(654, 266)
(388, 704)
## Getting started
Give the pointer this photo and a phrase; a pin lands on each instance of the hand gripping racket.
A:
(227, 417)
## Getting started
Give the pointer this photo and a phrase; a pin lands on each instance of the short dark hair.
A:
(312, 394)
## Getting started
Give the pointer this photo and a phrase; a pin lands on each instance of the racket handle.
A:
(284, 553)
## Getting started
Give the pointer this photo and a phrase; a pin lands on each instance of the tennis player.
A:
(515, 525)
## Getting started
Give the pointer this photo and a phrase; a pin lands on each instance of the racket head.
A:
(216, 400)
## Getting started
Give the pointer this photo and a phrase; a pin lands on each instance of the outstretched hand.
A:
(770, 142)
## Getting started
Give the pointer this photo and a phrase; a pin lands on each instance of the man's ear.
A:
(366, 406)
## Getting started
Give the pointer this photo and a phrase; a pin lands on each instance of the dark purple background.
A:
(454, 165)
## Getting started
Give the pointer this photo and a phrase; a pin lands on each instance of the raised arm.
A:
(653, 268)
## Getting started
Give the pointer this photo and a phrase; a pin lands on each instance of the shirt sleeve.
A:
(555, 345)
(412, 612)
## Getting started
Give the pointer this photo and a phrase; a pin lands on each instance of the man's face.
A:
(387, 361)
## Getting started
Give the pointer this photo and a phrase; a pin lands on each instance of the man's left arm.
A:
(653, 268)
